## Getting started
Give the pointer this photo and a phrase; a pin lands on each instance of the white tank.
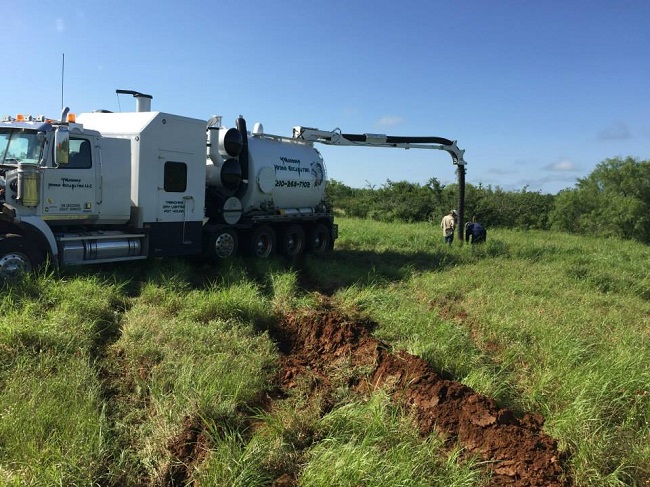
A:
(291, 175)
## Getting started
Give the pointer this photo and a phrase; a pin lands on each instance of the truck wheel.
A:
(17, 257)
(262, 242)
(222, 244)
(320, 239)
(293, 241)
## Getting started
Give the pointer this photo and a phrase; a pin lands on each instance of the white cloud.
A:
(563, 165)
(549, 184)
(60, 25)
(616, 131)
(503, 171)
(390, 121)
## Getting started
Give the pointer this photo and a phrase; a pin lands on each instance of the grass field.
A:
(162, 372)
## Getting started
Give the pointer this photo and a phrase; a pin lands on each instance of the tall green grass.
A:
(101, 369)
(53, 426)
(186, 352)
(372, 443)
(543, 322)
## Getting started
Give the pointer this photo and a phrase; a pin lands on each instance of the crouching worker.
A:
(475, 232)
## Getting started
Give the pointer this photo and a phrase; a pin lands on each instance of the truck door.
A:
(71, 191)
(179, 203)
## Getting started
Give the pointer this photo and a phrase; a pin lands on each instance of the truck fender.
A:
(38, 229)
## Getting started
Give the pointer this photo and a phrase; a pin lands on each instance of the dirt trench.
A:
(515, 450)
(319, 343)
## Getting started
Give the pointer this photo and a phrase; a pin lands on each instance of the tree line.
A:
(614, 200)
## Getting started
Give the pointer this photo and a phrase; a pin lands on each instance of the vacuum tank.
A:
(266, 172)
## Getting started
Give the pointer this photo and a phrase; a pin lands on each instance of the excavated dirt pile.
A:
(515, 450)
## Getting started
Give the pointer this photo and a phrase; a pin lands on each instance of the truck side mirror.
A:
(62, 145)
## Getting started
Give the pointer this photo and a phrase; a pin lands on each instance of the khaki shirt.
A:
(448, 224)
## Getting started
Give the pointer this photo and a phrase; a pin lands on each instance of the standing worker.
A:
(448, 225)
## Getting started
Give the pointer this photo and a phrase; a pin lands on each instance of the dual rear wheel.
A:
(320, 239)
(263, 241)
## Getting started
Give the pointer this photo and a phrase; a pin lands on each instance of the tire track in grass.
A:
(107, 332)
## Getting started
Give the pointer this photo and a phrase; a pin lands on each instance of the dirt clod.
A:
(516, 451)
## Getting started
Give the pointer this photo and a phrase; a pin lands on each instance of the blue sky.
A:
(537, 93)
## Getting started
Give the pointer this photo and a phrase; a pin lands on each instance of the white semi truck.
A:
(110, 187)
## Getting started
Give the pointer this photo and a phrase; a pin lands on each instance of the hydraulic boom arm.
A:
(335, 137)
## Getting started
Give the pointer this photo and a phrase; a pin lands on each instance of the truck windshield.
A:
(20, 145)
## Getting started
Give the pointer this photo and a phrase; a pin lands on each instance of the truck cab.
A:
(109, 187)
(56, 173)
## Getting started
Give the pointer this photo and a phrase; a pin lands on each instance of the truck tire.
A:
(221, 244)
(18, 256)
(293, 240)
(262, 242)
(320, 239)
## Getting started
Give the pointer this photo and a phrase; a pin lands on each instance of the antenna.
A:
(62, 73)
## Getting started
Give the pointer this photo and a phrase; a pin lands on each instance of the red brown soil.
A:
(187, 448)
(515, 449)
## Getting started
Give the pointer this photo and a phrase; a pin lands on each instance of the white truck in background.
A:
(110, 187)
